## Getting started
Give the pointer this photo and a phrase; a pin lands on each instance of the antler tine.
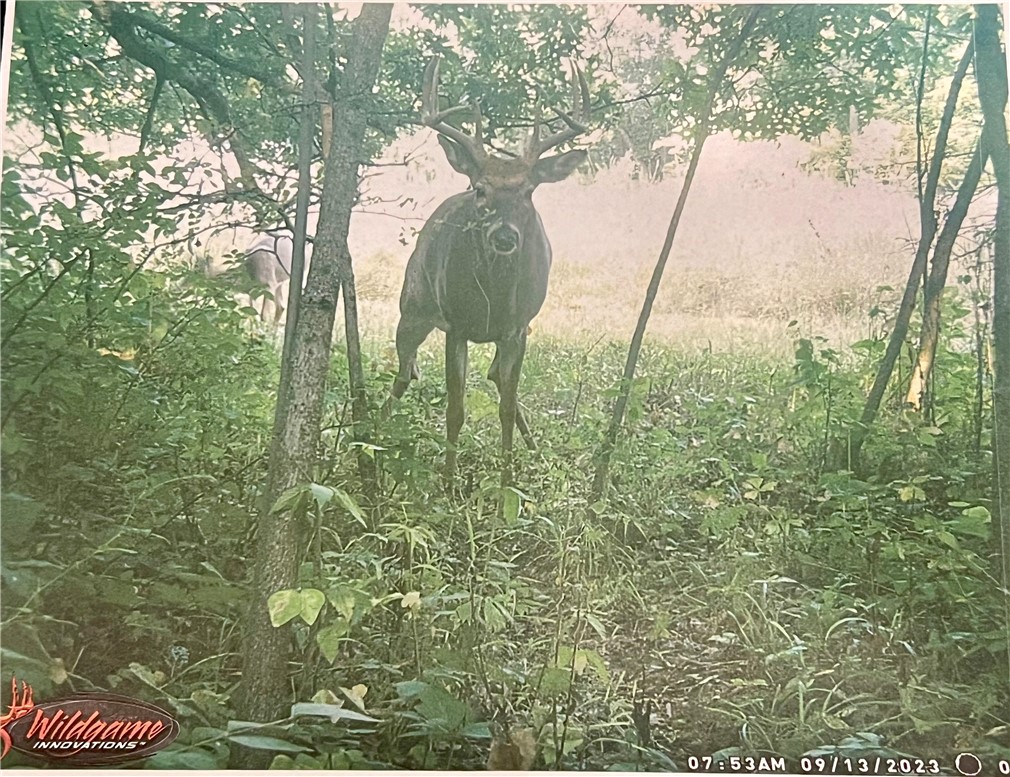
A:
(432, 117)
(533, 141)
(575, 125)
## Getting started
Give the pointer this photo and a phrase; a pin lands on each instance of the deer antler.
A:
(576, 124)
(432, 117)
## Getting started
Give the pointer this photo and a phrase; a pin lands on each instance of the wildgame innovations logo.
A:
(87, 730)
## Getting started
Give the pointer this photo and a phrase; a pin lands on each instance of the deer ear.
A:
(558, 167)
(458, 156)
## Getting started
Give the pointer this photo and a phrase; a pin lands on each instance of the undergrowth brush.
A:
(732, 593)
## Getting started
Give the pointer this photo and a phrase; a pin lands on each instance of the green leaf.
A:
(322, 494)
(947, 539)
(293, 499)
(555, 681)
(978, 512)
(257, 742)
(351, 506)
(973, 522)
(301, 761)
(511, 504)
(595, 660)
(410, 689)
(289, 604)
(329, 640)
(437, 705)
(19, 514)
(476, 731)
(332, 711)
(343, 600)
(283, 606)
(597, 625)
(184, 760)
(312, 601)
(911, 493)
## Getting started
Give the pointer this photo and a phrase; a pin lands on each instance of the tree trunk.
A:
(929, 335)
(355, 370)
(930, 332)
(992, 96)
(264, 694)
(846, 453)
(306, 130)
(701, 135)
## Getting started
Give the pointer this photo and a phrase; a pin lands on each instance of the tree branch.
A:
(212, 103)
(137, 19)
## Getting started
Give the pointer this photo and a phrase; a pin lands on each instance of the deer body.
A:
(463, 289)
(480, 269)
(268, 263)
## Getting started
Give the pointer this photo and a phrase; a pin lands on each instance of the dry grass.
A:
(761, 244)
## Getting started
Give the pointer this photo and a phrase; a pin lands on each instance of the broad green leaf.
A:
(184, 760)
(974, 522)
(476, 731)
(322, 494)
(292, 499)
(947, 539)
(333, 712)
(351, 506)
(329, 640)
(595, 660)
(410, 689)
(438, 705)
(311, 604)
(511, 504)
(258, 742)
(291, 603)
(494, 617)
(343, 599)
(556, 681)
(284, 606)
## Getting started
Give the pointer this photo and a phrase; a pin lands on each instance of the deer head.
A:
(503, 187)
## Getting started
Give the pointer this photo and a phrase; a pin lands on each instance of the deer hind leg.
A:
(409, 336)
(456, 357)
(280, 303)
(524, 428)
(267, 306)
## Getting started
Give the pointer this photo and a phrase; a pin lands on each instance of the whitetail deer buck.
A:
(480, 268)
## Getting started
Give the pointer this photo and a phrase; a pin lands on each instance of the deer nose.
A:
(505, 239)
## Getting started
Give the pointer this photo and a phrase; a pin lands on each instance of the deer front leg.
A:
(409, 336)
(456, 357)
(510, 362)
